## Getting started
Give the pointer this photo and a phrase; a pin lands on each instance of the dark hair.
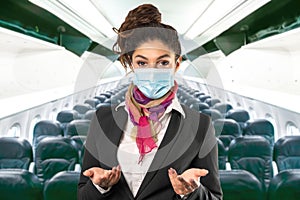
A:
(143, 24)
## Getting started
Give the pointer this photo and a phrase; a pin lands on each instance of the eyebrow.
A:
(160, 57)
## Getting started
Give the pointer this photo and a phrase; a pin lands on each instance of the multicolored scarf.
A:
(144, 114)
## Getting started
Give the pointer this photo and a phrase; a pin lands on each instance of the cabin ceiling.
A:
(84, 22)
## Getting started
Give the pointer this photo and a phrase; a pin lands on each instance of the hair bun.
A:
(138, 17)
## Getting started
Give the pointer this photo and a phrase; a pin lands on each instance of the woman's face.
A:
(154, 54)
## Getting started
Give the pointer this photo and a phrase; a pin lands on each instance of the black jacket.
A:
(188, 143)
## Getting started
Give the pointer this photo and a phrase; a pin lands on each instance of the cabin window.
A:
(292, 129)
(15, 130)
(34, 121)
(252, 112)
(52, 115)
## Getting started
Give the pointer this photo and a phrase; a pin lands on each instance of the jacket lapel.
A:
(164, 149)
(117, 126)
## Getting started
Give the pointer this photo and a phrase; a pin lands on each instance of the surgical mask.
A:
(152, 82)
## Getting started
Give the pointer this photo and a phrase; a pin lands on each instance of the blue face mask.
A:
(152, 82)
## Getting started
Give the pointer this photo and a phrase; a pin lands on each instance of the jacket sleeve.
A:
(86, 189)
(210, 188)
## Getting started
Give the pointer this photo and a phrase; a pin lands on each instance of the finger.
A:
(184, 183)
(172, 174)
(88, 173)
(201, 172)
(193, 184)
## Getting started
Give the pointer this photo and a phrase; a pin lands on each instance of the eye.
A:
(164, 63)
(141, 63)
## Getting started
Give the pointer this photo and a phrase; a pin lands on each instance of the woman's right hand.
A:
(103, 178)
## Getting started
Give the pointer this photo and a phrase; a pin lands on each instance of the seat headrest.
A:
(227, 127)
(238, 115)
(56, 147)
(287, 146)
(47, 127)
(240, 184)
(250, 146)
(259, 127)
(66, 116)
(78, 127)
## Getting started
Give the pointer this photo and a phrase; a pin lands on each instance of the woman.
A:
(150, 146)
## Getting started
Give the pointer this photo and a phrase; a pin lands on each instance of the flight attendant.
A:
(150, 146)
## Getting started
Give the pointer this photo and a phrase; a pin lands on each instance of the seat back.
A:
(222, 154)
(261, 127)
(46, 128)
(287, 153)
(253, 154)
(16, 184)
(240, 185)
(213, 113)
(78, 127)
(226, 130)
(15, 153)
(66, 116)
(82, 108)
(239, 115)
(285, 185)
(92, 102)
(62, 186)
(223, 107)
(53, 155)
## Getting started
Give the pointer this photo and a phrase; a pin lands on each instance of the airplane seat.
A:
(89, 114)
(286, 153)
(61, 186)
(226, 130)
(101, 98)
(102, 104)
(106, 94)
(15, 153)
(92, 102)
(54, 155)
(66, 116)
(77, 127)
(285, 185)
(204, 97)
(198, 93)
(108, 101)
(213, 113)
(46, 128)
(212, 101)
(222, 107)
(253, 154)
(199, 106)
(261, 127)
(82, 108)
(222, 154)
(241, 116)
(190, 101)
(16, 184)
(79, 143)
(240, 185)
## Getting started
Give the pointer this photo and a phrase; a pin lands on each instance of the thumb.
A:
(88, 173)
(201, 172)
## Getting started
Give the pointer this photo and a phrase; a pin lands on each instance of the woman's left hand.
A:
(186, 183)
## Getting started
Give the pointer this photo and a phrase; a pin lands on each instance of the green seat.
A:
(285, 185)
(62, 186)
(19, 184)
